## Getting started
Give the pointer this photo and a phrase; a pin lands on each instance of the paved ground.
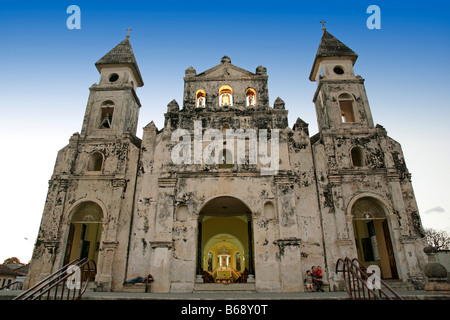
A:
(408, 295)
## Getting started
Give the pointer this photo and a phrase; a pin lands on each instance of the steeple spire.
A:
(122, 54)
(329, 48)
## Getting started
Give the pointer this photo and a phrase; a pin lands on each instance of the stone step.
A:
(136, 287)
(399, 285)
(91, 286)
(340, 295)
(224, 288)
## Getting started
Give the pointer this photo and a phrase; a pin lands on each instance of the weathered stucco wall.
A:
(300, 215)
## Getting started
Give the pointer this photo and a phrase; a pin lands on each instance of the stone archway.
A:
(84, 233)
(373, 237)
(225, 230)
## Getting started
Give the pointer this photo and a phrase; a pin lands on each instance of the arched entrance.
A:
(372, 236)
(225, 241)
(84, 233)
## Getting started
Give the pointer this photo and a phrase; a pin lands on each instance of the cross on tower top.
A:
(128, 34)
(323, 25)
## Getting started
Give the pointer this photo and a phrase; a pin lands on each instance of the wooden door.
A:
(390, 251)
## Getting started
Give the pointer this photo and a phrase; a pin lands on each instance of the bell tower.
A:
(340, 98)
(113, 106)
(360, 168)
(91, 192)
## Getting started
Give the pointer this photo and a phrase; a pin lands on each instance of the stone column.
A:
(162, 245)
(335, 182)
(398, 203)
(54, 244)
(199, 278)
(160, 265)
(402, 241)
(251, 271)
(266, 252)
(165, 209)
(55, 233)
(119, 185)
(289, 242)
(290, 265)
(105, 266)
(106, 261)
(48, 258)
(286, 205)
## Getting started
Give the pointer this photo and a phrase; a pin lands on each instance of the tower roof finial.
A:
(128, 34)
(323, 25)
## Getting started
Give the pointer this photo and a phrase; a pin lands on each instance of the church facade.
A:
(226, 191)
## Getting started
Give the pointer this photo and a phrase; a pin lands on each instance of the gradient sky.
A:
(47, 70)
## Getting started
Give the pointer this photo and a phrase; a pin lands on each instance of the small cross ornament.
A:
(128, 34)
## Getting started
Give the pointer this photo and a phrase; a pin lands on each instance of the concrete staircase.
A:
(224, 288)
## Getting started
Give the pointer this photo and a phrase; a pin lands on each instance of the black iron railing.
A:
(68, 283)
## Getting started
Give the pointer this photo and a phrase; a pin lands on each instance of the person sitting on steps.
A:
(316, 280)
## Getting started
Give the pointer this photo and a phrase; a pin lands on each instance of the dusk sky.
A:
(48, 69)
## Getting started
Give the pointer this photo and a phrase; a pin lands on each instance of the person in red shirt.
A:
(319, 272)
(316, 280)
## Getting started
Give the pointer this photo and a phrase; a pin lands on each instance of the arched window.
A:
(346, 107)
(358, 157)
(200, 99)
(106, 115)
(225, 96)
(250, 97)
(95, 162)
(226, 161)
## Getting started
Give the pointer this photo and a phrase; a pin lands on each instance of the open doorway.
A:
(84, 233)
(372, 237)
(225, 241)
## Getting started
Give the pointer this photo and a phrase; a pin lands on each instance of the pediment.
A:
(225, 70)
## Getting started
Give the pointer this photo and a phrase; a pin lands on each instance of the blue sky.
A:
(47, 70)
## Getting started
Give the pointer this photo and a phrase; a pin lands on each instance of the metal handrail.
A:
(355, 281)
(60, 277)
(389, 288)
(45, 280)
(16, 283)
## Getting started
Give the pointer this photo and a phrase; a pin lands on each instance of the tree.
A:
(439, 239)
(13, 260)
